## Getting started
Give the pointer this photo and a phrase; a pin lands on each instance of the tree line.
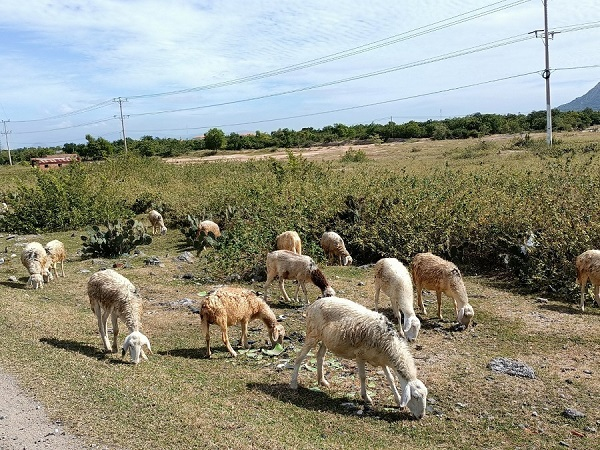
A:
(475, 125)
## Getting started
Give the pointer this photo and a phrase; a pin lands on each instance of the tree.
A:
(214, 139)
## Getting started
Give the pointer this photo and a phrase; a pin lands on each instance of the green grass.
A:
(180, 400)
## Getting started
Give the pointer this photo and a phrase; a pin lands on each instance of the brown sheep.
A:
(333, 246)
(289, 240)
(57, 254)
(432, 272)
(229, 306)
(587, 266)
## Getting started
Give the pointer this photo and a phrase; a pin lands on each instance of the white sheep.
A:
(208, 226)
(289, 240)
(392, 277)
(37, 263)
(587, 266)
(228, 306)
(157, 222)
(55, 250)
(290, 266)
(432, 272)
(352, 331)
(111, 294)
(333, 246)
(3, 208)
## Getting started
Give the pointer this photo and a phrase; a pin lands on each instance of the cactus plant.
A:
(117, 239)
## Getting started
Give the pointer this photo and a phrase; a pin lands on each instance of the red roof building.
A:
(54, 161)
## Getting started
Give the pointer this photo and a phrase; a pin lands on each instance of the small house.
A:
(54, 161)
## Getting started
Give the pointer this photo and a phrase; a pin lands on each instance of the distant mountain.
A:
(589, 100)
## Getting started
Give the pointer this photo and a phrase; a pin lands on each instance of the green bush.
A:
(116, 240)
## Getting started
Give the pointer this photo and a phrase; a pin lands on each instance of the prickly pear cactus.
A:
(117, 239)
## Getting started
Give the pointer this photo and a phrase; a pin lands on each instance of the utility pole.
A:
(121, 100)
(547, 35)
(6, 133)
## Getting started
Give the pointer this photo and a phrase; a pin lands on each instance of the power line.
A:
(6, 133)
(426, 29)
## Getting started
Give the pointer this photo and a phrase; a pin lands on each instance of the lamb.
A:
(289, 240)
(208, 226)
(587, 266)
(432, 272)
(290, 266)
(333, 246)
(3, 208)
(111, 294)
(57, 254)
(352, 331)
(229, 306)
(37, 263)
(157, 222)
(392, 277)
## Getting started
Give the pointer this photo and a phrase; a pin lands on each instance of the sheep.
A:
(352, 331)
(290, 266)
(3, 208)
(208, 226)
(587, 266)
(392, 277)
(229, 306)
(111, 294)
(432, 272)
(157, 222)
(57, 254)
(289, 240)
(37, 263)
(333, 246)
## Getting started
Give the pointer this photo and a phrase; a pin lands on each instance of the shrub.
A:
(198, 241)
(352, 155)
(116, 240)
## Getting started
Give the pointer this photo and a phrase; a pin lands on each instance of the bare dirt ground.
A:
(24, 423)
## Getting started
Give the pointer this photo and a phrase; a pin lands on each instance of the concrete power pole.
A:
(547, 35)
(121, 100)
(6, 133)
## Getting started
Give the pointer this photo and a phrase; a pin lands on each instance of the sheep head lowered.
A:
(134, 343)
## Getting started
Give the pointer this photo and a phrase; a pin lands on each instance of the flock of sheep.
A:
(346, 328)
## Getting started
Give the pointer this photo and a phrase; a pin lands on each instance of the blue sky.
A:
(63, 63)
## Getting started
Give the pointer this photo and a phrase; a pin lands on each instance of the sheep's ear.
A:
(406, 396)
(461, 314)
(146, 342)
(275, 334)
(125, 347)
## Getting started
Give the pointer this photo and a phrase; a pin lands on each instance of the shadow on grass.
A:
(317, 400)
(85, 349)
(569, 308)
(191, 353)
(15, 285)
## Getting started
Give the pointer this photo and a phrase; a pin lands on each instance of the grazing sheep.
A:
(290, 266)
(229, 306)
(37, 263)
(3, 208)
(111, 294)
(432, 272)
(587, 266)
(289, 240)
(157, 222)
(394, 280)
(57, 254)
(352, 331)
(208, 226)
(333, 246)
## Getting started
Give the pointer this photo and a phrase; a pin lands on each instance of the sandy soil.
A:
(25, 425)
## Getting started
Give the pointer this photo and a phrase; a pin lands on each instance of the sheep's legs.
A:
(377, 289)
(392, 383)
(206, 331)
(439, 302)
(308, 344)
(320, 357)
(244, 326)
(115, 325)
(225, 339)
(596, 296)
(62, 269)
(420, 300)
(285, 296)
(102, 319)
(303, 285)
(362, 374)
